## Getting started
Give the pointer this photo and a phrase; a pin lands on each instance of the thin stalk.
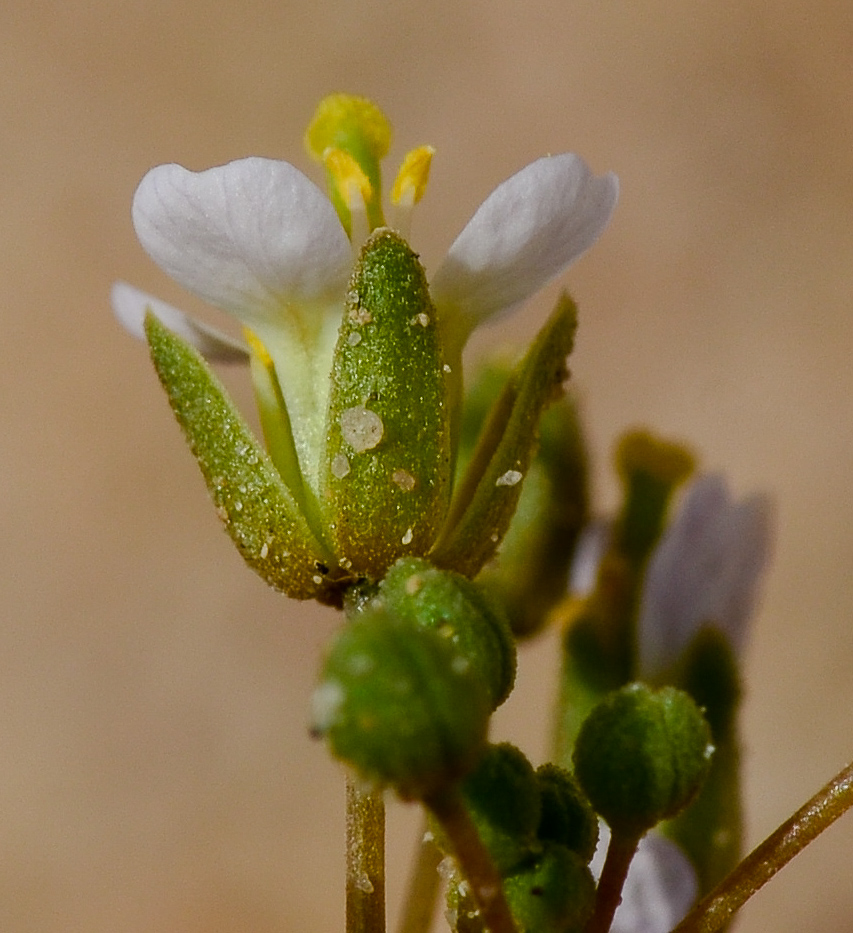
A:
(365, 885)
(609, 892)
(717, 908)
(419, 904)
(473, 860)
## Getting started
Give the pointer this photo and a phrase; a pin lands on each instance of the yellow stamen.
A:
(352, 185)
(352, 193)
(413, 176)
(257, 348)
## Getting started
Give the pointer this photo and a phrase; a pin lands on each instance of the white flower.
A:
(259, 240)
(706, 570)
(660, 888)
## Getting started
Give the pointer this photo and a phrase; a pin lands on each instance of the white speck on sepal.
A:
(510, 478)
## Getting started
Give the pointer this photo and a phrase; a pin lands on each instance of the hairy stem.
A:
(419, 904)
(717, 908)
(473, 860)
(609, 893)
(365, 885)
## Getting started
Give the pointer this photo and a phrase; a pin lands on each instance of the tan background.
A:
(155, 773)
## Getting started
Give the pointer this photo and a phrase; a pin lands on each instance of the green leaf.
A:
(488, 495)
(259, 512)
(385, 479)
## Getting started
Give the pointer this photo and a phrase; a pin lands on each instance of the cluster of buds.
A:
(387, 490)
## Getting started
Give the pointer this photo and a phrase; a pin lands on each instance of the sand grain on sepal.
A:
(259, 512)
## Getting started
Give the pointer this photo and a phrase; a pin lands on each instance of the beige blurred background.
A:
(155, 772)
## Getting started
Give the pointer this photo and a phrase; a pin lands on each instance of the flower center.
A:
(350, 136)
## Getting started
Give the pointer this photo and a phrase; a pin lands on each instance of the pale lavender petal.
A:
(130, 305)
(591, 547)
(525, 233)
(706, 570)
(660, 888)
(254, 237)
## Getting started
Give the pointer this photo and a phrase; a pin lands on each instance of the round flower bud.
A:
(450, 604)
(502, 797)
(642, 755)
(400, 705)
(566, 816)
(554, 893)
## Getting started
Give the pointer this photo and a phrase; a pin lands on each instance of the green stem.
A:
(717, 908)
(473, 860)
(609, 892)
(419, 904)
(365, 885)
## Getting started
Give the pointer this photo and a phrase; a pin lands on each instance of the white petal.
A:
(590, 549)
(130, 305)
(707, 569)
(660, 888)
(254, 237)
(526, 232)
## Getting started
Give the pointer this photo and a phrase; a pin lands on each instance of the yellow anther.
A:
(413, 176)
(344, 121)
(350, 182)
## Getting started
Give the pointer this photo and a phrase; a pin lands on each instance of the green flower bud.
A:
(554, 893)
(400, 705)
(502, 797)
(422, 595)
(642, 755)
(566, 816)
(385, 480)
(651, 468)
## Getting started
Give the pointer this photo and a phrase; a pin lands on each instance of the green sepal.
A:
(531, 573)
(486, 500)
(641, 756)
(399, 705)
(385, 478)
(419, 593)
(259, 512)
